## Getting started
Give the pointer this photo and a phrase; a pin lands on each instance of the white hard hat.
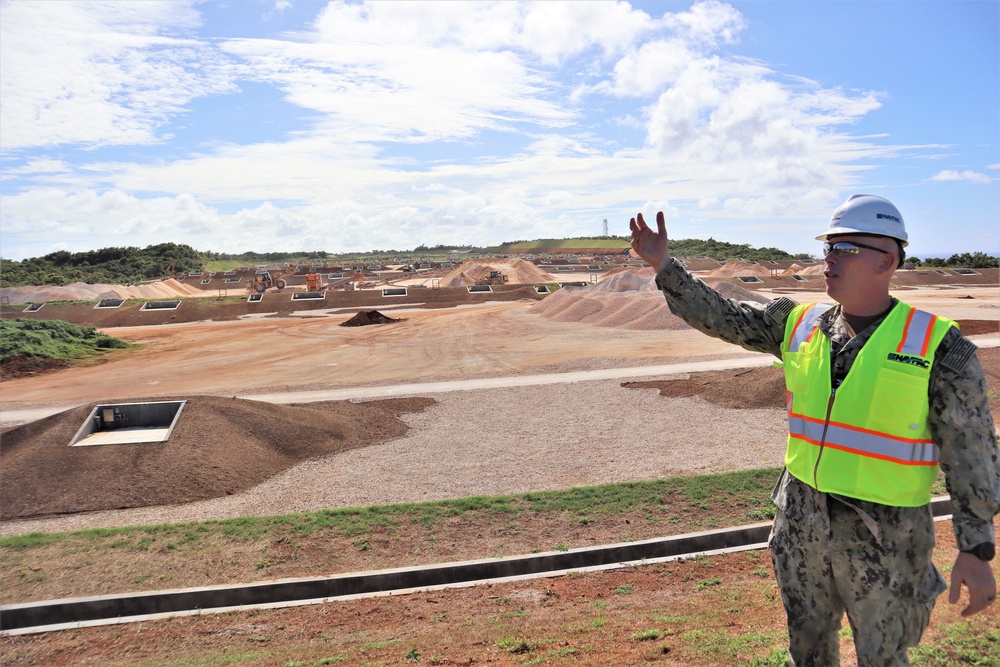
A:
(867, 214)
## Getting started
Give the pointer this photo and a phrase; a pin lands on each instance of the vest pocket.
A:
(801, 370)
(896, 394)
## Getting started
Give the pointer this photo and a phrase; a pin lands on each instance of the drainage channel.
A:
(49, 615)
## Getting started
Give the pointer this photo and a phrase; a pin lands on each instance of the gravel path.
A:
(497, 441)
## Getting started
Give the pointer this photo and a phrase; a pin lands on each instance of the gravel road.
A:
(524, 439)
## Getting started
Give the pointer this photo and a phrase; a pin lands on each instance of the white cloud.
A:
(709, 23)
(419, 122)
(967, 175)
(428, 86)
(37, 166)
(98, 73)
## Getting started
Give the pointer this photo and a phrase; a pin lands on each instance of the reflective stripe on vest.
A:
(806, 326)
(917, 334)
(864, 442)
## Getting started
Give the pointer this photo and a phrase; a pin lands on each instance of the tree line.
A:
(965, 260)
(122, 266)
(107, 265)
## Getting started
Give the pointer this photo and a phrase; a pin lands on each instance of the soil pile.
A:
(518, 272)
(220, 446)
(814, 270)
(731, 269)
(169, 288)
(627, 300)
(366, 317)
(26, 365)
(736, 388)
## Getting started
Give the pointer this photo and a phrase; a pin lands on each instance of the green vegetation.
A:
(52, 339)
(722, 251)
(718, 250)
(961, 645)
(724, 647)
(108, 265)
(778, 657)
(553, 245)
(965, 260)
(736, 489)
(515, 645)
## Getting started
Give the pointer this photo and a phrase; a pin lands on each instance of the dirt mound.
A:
(734, 291)
(975, 327)
(736, 388)
(730, 269)
(518, 272)
(366, 317)
(627, 300)
(220, 446)
(91, 292)
(814, 270)
(627, 280)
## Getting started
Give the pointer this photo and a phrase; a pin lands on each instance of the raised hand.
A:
(651, 246)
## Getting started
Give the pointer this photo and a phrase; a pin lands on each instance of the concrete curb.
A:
(29, 617)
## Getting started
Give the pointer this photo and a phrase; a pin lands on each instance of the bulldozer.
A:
(494, 278)
(263, 281)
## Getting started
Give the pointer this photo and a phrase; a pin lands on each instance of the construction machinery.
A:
(264, 280)
(314, 282)
(494, 278)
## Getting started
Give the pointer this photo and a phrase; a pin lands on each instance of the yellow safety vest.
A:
(869, 438)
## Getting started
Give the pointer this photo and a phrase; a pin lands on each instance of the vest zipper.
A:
(822, 441)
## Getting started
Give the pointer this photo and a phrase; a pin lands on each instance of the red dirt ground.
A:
(670, 614)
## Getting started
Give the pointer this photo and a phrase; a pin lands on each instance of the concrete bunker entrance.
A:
(128, 423)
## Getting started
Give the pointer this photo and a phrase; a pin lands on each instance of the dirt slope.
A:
(164, 289)
(219, 447)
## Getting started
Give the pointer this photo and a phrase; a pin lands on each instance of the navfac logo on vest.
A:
(908, 359)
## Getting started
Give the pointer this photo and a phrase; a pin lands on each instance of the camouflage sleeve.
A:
(750, 325)
(963, 428)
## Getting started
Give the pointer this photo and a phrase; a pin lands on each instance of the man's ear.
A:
(888, 263)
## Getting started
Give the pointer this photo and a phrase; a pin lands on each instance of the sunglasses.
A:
(849, 248)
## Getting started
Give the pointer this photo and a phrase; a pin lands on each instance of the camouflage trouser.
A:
(828, 561)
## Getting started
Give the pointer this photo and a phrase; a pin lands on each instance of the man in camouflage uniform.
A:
(833, 553)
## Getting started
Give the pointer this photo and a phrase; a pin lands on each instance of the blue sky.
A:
(282, 125)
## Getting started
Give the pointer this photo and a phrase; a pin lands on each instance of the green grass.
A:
(553, 245)
(52, 339)
(209, 659)
(720, 645)
(749, 489)
(961, 645)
